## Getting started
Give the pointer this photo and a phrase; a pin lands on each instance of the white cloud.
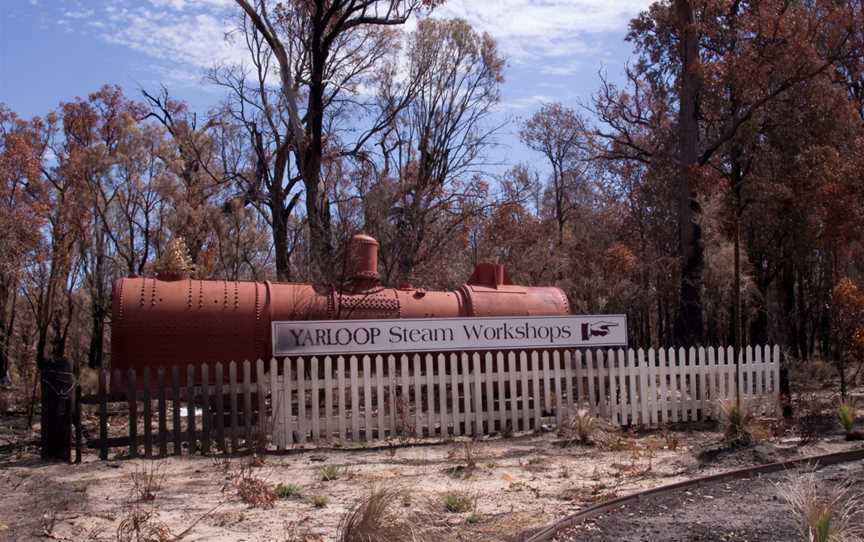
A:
(78, 14)
(532, 29)
(526, 102)
(189, 35)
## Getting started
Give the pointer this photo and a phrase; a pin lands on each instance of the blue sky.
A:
(54, 50)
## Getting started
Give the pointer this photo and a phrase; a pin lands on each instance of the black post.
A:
(58, 385)
(78, 423)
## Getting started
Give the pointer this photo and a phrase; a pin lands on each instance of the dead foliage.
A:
(142, 524)
(582, 427)
(254, 491)
(377, 518)
(405, 428)
(466, 453)
(147, 480)
(736, 420)
(824, 514)
(813, 417)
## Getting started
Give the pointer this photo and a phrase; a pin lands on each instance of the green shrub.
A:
(288, 491)
(846, 411)
(332, 472)
(457, 502)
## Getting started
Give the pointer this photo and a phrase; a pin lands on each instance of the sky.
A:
(56, 50)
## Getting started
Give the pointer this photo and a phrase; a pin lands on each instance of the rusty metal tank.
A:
(174, 320)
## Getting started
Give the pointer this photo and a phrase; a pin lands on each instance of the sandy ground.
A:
(516, 486)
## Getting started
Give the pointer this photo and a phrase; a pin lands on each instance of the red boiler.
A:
(173, 320)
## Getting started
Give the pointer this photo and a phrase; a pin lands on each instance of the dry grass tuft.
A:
(147, 480)
(330, 473)
(288, 491)
(376, 518)
(141, 524)
(585, 428)
(254, 491)
(737, 423)
(832, 515)
(467, 453)
(457, 502)
(319, 501)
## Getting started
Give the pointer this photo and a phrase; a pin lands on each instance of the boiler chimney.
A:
(364, 260)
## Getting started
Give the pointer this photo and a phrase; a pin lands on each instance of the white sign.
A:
(299, 337)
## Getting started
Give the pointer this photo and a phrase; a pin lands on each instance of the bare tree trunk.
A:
(688, 324)
(7, 300)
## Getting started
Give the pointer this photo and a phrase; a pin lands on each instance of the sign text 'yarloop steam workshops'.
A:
(291, 338)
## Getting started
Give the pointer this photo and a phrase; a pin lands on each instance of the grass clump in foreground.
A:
(376, 517)
(254, 491)
(847, 411)
(457, 502)
(319, 501)
(584, 428)
(288, 491)
(736, 421)
(147, 480)
(833, 515)
(330, 473)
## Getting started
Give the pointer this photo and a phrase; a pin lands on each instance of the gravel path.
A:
(742, 510)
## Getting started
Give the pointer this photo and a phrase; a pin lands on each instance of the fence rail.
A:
(281, 403)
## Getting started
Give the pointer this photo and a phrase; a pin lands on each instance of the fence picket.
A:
(145, 398)
(513, 389)
(391, 393)
(547, 384)
(570, 402)
(315, 399)
(558, 387)
(702, 381)
(379, 395)
(592, 396)
(775, 371)
(302, 427)
(328, 397)
(470, 428)
(276, 406)
(489, 384)
(232, 398)
(442, 396)
(367, 398)
(205, 409)
(163, 422)
(477, 394)
(190, 407)
(404, 404)
(103, 414)
(132, 401)
(632, 376)
(219, 378)
(417, 373)
(355, 399)
(757, 380)
(175, 396)
(287, 403)
(430, 390)
(247, 401)
(674, 385)
(523, 390)
(261, 389)
(342, 395)
(644, 396)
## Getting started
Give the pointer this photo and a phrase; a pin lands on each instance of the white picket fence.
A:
(480, 393)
